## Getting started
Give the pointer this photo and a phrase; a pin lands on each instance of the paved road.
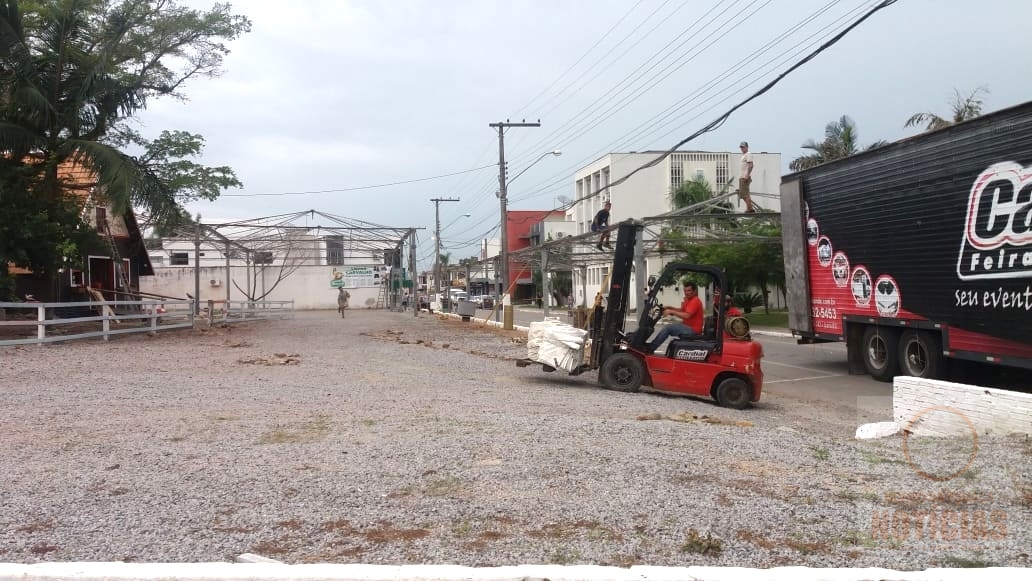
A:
(819, 373)
(807, 373)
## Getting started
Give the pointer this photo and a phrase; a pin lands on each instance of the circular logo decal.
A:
(840, 269)
(824, 251)
(886, 296)
(812, 232)
(861, 286)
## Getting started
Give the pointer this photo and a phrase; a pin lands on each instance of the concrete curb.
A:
(119, 571)
(766, 333)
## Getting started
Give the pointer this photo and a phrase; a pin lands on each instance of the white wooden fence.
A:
(36, 323)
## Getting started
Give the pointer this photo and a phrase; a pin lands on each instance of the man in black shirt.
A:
(600, 223)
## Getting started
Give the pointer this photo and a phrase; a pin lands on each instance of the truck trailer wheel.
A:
(622, 372)
(879, 349)
(920, 354)
(734, 393)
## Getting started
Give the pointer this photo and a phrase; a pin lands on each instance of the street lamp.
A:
(505, 229)
(556, 153)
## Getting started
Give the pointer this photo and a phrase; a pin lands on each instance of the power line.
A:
(653, 124)
(352, 189)
(722, 118)
(616, 89)
(717, 122)
(582, 57)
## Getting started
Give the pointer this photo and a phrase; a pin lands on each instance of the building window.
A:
(722, 177)
(334, 250)
(675, 174)
(263, 257)
(102, 224)
(180, 259)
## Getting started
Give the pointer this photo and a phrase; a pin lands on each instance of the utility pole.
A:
(437, 240)
(501, 126)
(414, 295)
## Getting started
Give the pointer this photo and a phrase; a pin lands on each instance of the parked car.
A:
(484, 301)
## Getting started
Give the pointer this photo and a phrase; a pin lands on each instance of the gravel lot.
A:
(383, 438)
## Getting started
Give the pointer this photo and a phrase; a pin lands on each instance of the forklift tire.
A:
(622, 372)
(734, 393)
(879, 350)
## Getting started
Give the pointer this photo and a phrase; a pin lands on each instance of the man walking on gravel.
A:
(342, 301)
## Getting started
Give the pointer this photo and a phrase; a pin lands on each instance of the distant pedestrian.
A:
(745, 176)
(600, 224)
(342, 301)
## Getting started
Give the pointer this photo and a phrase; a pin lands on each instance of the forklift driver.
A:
(690, 313)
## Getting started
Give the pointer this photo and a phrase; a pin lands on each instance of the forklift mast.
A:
(608, 323)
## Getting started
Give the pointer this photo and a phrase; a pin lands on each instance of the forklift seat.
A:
(709, 329)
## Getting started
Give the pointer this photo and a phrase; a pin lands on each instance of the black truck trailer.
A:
(918, 251)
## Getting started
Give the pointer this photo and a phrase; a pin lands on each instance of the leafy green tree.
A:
(841, 139)
(963, 109)
(73, 73)
(753, 260)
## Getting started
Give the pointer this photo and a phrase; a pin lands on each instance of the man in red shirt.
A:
(691, 316)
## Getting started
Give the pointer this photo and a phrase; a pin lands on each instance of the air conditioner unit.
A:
(215, 282)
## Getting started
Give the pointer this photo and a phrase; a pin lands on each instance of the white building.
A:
(647, 193)
(299, 266)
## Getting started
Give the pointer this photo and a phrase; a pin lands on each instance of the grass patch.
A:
(875, 459)
(969, 474)
(564, 556)
(966, 563)
(771, 319)
(702, 545)
(820, 453)
(853, 496)
(446, 485)
(462, 529)
(313, 430)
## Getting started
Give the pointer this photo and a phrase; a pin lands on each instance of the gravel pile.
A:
(384, 438)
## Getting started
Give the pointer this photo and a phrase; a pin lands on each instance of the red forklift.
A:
(723, 362)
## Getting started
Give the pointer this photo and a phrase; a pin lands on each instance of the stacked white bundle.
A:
(560, 346)
(535, 335)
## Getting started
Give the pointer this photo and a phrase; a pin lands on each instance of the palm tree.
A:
(964, 108)
(695, 191)
(841, 139)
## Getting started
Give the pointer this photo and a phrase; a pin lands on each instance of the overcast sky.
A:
(339, 94)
